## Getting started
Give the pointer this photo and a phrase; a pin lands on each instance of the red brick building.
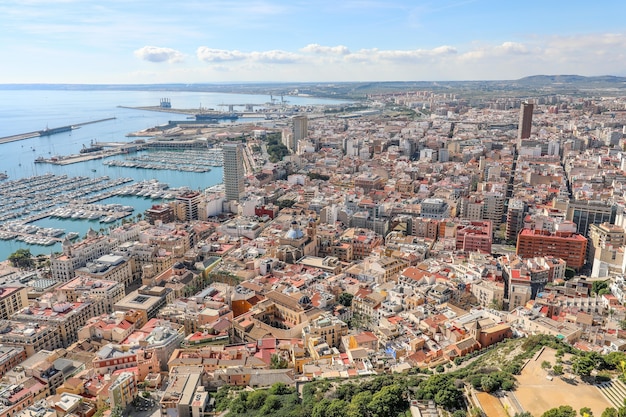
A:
(568, 246)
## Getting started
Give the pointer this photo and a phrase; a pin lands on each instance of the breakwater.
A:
(49, 131)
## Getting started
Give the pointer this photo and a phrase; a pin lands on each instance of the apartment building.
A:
(67, 317)
(110, 291)
(12, 299)
(32, 337)
(569, 246)
(474, 236)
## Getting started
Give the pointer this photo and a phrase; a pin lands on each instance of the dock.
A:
(75, 158)
(49, 131)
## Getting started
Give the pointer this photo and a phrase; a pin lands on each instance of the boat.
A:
(72, 235)
(51, 131)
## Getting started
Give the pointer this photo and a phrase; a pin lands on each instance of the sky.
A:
(207, 41)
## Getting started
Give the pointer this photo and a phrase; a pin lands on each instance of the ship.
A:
(92, 148)
(52, 131)
(216, 116)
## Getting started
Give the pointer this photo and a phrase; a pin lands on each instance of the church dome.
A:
(304, 301)
(294, 234)
(294, 231)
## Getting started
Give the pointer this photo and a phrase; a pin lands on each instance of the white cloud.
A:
(315, 48)
(275, 57)
(159, 54)
(207, 54)
(513, 48)
(401, 56)
(210, 55)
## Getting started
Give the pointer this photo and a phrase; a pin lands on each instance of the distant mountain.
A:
(536, 80)
(535, 85)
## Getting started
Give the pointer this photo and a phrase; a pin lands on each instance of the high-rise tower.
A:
(525, 120)
(300, 128)
(233, 170)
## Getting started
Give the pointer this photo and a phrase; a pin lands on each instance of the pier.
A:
(49, 131)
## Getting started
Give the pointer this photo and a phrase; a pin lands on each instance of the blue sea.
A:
(24, 111)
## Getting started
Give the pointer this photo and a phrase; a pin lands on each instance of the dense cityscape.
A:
(414, 253)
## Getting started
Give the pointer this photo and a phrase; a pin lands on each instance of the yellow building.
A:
(123, 390)
(12, 299)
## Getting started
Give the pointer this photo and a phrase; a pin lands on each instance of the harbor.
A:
(26, 110)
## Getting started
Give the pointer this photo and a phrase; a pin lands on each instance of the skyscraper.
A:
(525, 120)
(233, 170)
(300, 128)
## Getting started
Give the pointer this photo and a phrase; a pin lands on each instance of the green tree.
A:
(459, 413)
(389, 401)
(609, 412)
(256, 399)
(599, 285)
(513, 368)
(280, 388)
(271, 403)
(22, 258)
(583, 365)
(336, 408)
(319, 409)
(345, 299)
(358, 406)
(316, 176)
(278, 362)
(488, 383)
(285, 203)
(442, 390)
(523, 414)
(238, 404)
(546, 365)
(222, 398)
(557, 369)
(562, 411)
(585, 412)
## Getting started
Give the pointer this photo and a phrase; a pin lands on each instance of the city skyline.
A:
(69, 41)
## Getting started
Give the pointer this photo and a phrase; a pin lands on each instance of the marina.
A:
(190, 160)
(69, 198)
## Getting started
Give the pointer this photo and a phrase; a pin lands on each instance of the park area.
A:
(536, 393)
